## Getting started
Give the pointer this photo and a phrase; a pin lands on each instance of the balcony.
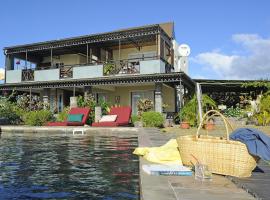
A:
(146, 65)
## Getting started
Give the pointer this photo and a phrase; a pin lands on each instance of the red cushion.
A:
(75, 124)
(123, 114)
(105, 124)
(84, 111)
(57, 124)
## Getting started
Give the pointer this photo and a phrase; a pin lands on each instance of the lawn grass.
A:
(219, 130)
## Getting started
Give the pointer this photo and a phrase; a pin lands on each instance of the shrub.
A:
(152, 119)
(134, 118)
(62, 116)
(91, 103)
(233, 112)
(24, 102)
(263, 117)
(10, 111)
(37, 118)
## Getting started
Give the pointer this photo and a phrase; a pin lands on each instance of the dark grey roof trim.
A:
(224, 82)
(111, 80)
(94, 38)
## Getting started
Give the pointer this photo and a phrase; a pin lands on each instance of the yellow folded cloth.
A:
(166, 154)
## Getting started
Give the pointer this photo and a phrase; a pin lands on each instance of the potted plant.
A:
(209, 125)
(188, 113)
(108, 68)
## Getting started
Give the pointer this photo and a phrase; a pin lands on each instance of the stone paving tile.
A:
(218, 188)
(258, 184)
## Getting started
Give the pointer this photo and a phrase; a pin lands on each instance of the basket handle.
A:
(215, 113)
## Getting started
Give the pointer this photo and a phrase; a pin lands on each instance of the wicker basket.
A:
(222, 155)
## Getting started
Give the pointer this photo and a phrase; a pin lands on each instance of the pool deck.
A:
(175, 187)
(62, 129)
(184, 187)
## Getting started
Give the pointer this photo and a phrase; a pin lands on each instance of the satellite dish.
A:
(184, 50)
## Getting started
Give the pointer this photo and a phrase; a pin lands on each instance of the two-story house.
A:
(120, 67)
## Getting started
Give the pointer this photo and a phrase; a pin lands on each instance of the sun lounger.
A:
(123, 117)
(74, 111)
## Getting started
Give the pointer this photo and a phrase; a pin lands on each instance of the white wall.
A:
(126, 51)
(67, 59)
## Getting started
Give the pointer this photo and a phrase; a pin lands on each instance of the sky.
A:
(229, 39)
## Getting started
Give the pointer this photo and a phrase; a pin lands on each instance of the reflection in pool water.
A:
(40, 166)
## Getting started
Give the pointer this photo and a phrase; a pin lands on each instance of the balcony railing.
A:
(145, 65)
(66, 72)
(128, 66)
(27, 75)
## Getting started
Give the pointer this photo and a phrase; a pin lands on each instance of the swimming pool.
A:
(63, 166)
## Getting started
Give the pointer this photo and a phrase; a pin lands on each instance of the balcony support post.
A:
(87, 49)
(51, 57)
(26, 57)
(9, 63)
(119, 50)
(90, 55)
(157, 45)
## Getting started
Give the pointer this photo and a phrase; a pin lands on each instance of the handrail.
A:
(27, 75)
(104, 62)
(168, 66)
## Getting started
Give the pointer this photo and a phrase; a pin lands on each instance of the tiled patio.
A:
(187, 188)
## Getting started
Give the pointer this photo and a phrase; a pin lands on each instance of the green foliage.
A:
(152, 119)
(134, 118)
(265, 103)
(233, 112)
(263, 116)
(108, 68)
(62, 116)
(10, 111)
(189, 111)
(37, 118)
(91, 103)
(263, 86)
(257, 84)
(24, 102)
(144, 105)
(207, 103)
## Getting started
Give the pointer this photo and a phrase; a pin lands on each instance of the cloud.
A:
(254, 64)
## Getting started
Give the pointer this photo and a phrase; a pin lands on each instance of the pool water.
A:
(63, 166)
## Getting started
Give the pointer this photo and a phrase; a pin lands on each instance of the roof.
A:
(224, 82)
(209, 85)
(165, 28)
